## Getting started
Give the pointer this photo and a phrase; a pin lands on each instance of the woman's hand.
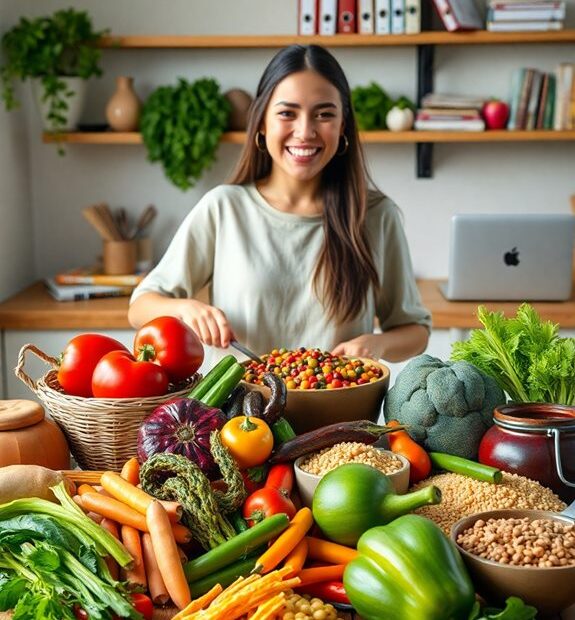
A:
(366, 345)
(209, 323)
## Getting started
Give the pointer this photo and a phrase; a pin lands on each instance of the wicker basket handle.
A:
(19, 370)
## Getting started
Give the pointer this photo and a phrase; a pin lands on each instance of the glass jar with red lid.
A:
(536, 440)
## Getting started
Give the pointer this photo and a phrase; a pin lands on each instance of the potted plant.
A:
(181, 127)
(58, 53)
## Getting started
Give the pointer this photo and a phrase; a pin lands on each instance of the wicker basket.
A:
(102, 432)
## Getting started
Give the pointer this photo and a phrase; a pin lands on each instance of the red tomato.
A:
(173, 345)
(79, 359)
(265, 503)
(119, 375)
(143, 604)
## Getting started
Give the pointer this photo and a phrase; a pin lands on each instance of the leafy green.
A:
(371, 105)
(50, 48)
(524, 354)
(515, 609)
(182, 126)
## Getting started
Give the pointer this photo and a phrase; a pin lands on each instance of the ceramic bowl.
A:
(306, 482)
(550, 590)
(307, 410)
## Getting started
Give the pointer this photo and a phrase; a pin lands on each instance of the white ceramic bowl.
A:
(306, 482)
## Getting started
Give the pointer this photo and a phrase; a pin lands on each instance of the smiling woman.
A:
(300, 248)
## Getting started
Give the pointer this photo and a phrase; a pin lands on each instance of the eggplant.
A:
(234, 404)
(278, 397)
(253, 405)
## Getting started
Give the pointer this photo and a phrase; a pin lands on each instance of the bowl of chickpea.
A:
(322, 388)
(524, 553)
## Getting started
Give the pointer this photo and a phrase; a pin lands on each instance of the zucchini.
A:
(212, 377)
(362, 431)
(225, 577)
(216, 396)
(238, 522)
(282, 431)
(236, 547)
(465, 467)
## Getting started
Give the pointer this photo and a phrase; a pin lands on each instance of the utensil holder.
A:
(120, 257)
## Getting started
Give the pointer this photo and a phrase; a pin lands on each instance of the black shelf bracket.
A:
(425, 58)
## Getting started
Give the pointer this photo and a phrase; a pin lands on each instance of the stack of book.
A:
(78, 286)
(542, 100)
(525, 15)
(449, 113)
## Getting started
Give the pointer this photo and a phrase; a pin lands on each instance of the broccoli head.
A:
(446, 406)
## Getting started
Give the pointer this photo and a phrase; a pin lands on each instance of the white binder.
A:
(327, 17)
(412, 16)
(307, 17)
(365, 16)
(382, 16)
(397, 17)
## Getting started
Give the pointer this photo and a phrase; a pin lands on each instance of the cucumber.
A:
(282, 431)
(465, 467)
(238, 522)
(212, 377)
(223, 387)
(225, 577)
(235, 548)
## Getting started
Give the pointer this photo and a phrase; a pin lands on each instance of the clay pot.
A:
(536, 440)
(240, 102)
(123, 108)
(27, 437)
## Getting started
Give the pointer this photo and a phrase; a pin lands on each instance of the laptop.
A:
(501, 256)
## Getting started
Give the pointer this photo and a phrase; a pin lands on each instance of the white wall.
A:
(16, 239)
(467, 177)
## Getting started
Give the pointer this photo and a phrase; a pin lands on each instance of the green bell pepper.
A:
(408, 570)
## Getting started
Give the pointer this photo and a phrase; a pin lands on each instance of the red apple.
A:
(495, 113)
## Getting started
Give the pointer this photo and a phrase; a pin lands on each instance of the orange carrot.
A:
(131, 540)
(131, 471)
(95, 517)
(86, 488)
(296, 559)
(182, 554)
(199, 603)
(111, 526)
(134, 497)
(156, 585)
(115, 510)
(330, 552)
(321, 573)
(166, 552)
(285, 542)
(401, 443)
(181, 533)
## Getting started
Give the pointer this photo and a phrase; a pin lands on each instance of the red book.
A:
(346, 16)
(459, 15)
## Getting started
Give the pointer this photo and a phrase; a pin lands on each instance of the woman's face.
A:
(302, 125)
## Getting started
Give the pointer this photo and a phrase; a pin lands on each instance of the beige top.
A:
(259, 263)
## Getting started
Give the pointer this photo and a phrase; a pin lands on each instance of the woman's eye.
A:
(326, 115)
(285, 113)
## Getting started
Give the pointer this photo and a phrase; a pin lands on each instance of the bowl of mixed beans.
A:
(322, 388)
(526, 553)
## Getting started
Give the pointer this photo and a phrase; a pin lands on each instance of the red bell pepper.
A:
(280, 477)
(327, 591)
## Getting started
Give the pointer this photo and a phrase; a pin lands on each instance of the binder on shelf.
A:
(327, 17)
(459, 14)
(412, 16)
(397, 17)
(382, 16)
(365, 16)
(346, 17)
(307, 17)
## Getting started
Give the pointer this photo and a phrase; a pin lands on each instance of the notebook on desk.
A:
(501, 256)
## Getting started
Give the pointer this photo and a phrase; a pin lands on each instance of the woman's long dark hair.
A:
(345, 269)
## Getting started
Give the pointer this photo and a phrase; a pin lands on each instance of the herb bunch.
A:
(524, 354)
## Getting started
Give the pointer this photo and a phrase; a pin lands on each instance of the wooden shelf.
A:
(477, 37)
(368, 137)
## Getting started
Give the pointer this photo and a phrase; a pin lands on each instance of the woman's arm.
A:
(210, 323)
(394, 345)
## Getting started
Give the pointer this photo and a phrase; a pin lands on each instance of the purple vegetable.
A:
(182, 426)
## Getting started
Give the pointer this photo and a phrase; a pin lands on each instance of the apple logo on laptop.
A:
(511, 257)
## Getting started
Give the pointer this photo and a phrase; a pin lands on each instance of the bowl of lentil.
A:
(310, 469)
(322, 389)
(525, 553)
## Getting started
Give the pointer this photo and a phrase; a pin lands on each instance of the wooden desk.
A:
(34, 308)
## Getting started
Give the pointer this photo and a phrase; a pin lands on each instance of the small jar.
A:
(27, 437)
(536, 440)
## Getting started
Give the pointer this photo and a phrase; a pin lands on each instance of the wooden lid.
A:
(16, 414)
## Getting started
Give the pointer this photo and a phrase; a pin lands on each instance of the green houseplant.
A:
(52, 49)
(181, 127)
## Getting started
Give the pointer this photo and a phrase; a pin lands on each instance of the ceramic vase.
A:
(123, 108)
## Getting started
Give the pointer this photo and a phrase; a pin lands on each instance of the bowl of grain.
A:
(524, 553)
(311, 468)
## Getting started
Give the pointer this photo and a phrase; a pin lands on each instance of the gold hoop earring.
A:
(342, 151)
(261, 147)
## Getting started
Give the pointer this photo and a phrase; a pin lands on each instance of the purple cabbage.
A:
(182, 426)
